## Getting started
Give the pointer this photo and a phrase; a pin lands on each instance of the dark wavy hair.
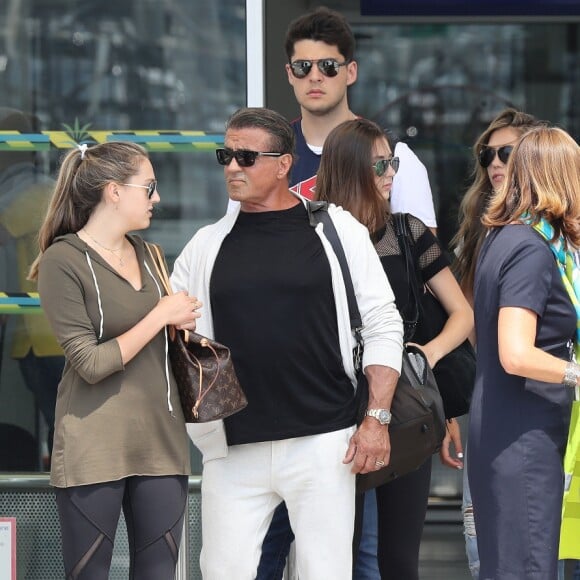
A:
(467, 241)
(323, 25)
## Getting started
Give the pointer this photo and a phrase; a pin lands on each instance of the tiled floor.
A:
(442, 555)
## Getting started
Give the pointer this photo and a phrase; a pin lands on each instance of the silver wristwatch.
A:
(571, 375)
(383, 416)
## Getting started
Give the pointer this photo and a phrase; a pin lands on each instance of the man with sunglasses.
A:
(320, 51)
(273, 291)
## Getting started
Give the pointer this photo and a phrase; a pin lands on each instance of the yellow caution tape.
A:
(160, 141)
(19, 303)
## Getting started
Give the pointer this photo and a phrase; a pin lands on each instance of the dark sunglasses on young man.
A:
(487, 154)
(151, 188)
(382, 165)
(329, 67)
(243, 157)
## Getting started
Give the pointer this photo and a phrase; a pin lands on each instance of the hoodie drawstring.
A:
(169, 405)
(99, 302)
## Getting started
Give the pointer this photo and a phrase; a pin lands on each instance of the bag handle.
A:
(402, 232)
(318, 213)
(160, 267)
(163, 275)
(161, 270)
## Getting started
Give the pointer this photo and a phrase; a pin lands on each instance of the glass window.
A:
(437, 86)
(166, 73)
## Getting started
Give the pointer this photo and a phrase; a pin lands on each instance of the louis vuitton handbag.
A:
(206, 379)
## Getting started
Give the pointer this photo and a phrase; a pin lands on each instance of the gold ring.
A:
(379, 463)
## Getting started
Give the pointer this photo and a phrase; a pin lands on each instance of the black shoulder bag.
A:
(455, 372)
(417, 426)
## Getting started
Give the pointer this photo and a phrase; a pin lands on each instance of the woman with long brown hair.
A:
(491, 152)
(356, 172)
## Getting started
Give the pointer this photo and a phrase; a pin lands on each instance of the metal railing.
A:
(30, 499)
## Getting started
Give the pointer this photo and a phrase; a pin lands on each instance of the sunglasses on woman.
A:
(382, 165)
(151, 188)
(244, 157)
(329, 67)
(487, 154)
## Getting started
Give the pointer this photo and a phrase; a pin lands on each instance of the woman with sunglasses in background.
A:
(356, 172)
(526, 302)
(491, 152)
(120, 440)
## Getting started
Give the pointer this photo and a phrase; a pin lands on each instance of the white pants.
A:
(241, 491)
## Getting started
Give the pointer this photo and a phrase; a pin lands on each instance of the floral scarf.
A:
(567, 262)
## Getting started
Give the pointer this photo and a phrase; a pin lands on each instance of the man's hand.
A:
(369, 448)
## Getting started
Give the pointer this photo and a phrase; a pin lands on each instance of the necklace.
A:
(118, 253)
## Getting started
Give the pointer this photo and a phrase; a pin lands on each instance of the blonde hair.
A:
(543, 181)
(81, 179)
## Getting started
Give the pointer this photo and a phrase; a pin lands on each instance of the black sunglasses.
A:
(244, 157)
(151, 188)
(382, 165)
(487, 154)
(329, 67)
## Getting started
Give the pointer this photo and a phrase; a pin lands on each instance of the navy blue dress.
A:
(518, 427)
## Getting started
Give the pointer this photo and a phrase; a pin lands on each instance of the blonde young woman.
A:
(526, 314)
(120, 441)
(356, 172)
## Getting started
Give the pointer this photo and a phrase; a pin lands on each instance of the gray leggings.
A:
(154, 508)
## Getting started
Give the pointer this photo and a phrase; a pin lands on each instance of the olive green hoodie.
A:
(112, 421)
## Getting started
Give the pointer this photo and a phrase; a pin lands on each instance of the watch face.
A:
(384, 416)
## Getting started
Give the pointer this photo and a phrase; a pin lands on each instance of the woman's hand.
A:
(430, 355)
(452, 436)
(180, 309)
(191, 326)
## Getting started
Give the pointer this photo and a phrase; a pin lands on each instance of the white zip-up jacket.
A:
(382, 330)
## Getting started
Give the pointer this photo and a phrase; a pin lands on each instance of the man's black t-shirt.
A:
(273, 305)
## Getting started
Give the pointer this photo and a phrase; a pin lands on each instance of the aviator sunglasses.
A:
(487, 154)
(243, 157)
(151, 188)
(329, 67)
(382, 165)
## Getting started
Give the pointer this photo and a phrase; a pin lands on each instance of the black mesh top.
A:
(429, 259)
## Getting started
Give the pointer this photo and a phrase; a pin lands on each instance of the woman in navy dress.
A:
(526, 327)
